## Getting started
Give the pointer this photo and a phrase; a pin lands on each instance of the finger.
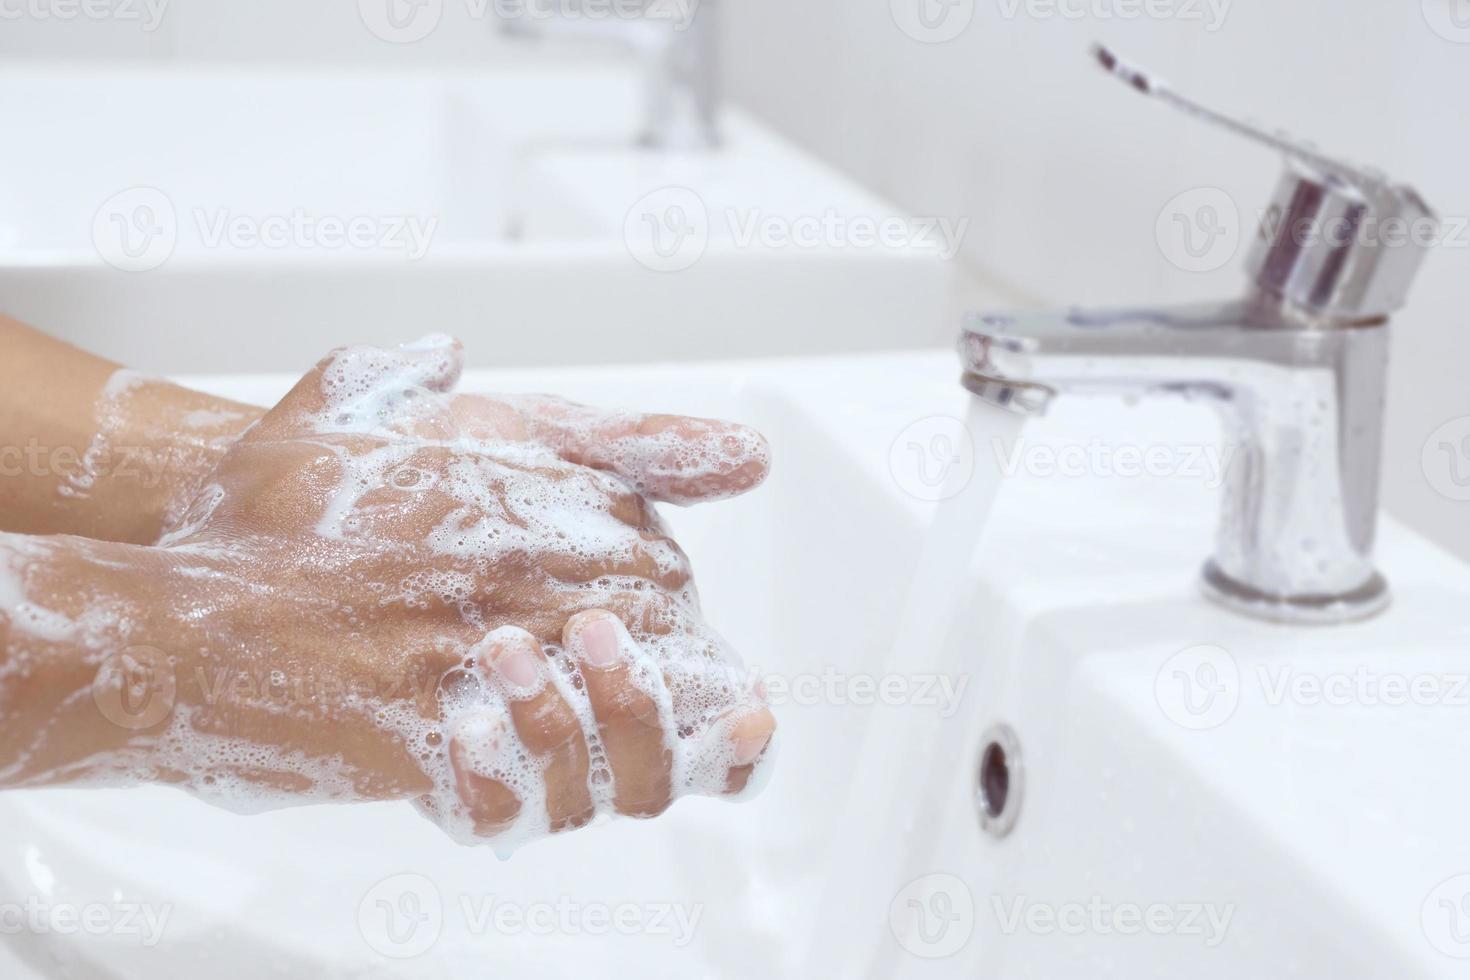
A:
(435, 361)
(492, 805)
(674, 458)
(732, 747)
(750, 736)
(677, 459)
(632, 722)
(545, 722)
(346, 387)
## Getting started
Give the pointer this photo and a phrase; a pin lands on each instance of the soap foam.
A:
(386, 421)
(514, 498)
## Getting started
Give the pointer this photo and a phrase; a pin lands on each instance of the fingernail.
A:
(747, 750)
(517, 664)
(599, 641)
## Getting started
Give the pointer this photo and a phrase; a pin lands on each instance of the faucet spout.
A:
(1301, 402)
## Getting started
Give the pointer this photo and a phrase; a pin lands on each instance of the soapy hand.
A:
(107, 453)
(385, 592)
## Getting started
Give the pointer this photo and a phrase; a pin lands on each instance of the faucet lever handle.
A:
(1152, 85)
(1339, 241)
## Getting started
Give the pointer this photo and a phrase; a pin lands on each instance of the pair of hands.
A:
(381, 591)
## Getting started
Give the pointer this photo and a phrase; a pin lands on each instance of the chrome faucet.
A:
(677, 44)
(1297, 368)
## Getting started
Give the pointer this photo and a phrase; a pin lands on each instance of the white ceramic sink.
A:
(1325, 838)
(217, 220)
(1297, 781)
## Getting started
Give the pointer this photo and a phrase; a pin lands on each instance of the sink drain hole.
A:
(995, 780)
(998, 780)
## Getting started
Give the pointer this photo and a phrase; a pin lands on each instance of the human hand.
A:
(442, 561)
(108, 453)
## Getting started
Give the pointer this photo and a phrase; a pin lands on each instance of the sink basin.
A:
(1288, 781)
(1178, 801)
(214, 220)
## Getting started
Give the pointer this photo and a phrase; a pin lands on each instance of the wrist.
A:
(89, 644)
(156, 445)
(131, 473)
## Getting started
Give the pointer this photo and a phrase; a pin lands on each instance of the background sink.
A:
(506, 207)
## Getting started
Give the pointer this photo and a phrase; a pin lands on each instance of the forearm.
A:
(81, 636)
(91, 449)
(125, 664)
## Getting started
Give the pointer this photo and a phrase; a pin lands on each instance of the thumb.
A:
(358, 385)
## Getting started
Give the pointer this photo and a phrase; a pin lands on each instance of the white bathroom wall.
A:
(992, 109)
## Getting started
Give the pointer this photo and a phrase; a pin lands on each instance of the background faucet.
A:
(1297, 368)
(676, 42)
